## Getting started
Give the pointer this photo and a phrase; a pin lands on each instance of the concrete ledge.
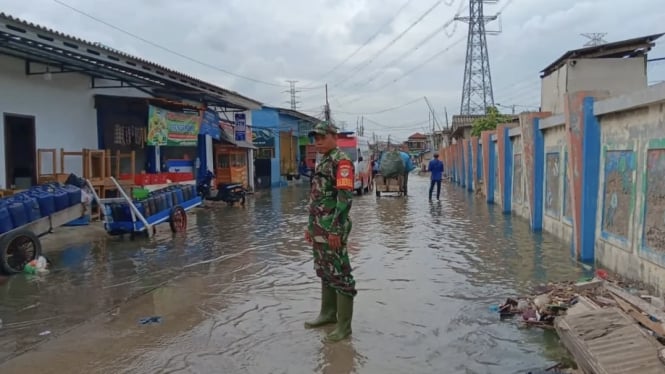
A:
(552, 121)
(493, 137)
(651, 95)
(515, 131)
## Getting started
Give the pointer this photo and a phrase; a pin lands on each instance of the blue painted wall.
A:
(268, 118)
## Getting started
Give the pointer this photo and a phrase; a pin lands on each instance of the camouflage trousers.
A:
(333, 267)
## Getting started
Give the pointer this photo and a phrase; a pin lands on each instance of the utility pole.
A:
(477, 94)
(292, 91)
(327, 110)
(595, 38)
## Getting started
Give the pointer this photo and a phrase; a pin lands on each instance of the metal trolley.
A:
(21, 245)
(175, 214)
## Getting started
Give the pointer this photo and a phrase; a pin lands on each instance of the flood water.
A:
(234, 293)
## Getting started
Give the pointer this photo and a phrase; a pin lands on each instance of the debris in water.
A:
(150, 320)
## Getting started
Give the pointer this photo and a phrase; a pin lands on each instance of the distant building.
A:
(617, 68)
(417, 142)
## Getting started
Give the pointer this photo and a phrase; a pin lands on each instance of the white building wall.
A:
(63, 108)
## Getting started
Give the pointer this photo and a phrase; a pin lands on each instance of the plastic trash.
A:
(494, 308)
(541, 300)
(150, 320)
(38, 266)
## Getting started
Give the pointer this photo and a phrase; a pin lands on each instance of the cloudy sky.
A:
(317, 42)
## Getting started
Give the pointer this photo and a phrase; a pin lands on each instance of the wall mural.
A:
(518, 181)
(618, 192)
(552, 185)
(567, 197)
(654, 218)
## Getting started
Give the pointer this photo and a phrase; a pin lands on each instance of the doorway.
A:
(20, 151)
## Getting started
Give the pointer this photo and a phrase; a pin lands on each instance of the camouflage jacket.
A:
(331, 194)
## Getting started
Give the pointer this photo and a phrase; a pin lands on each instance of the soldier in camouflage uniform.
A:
(328, 232)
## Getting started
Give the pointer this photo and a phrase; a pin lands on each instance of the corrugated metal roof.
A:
(628, 47)
(12, 29)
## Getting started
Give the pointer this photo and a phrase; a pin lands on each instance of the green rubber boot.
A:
(328, 312)
(344, 317)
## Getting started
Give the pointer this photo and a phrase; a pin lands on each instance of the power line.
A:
(371, 38)
(391, 43)
(410, 126)
(409, 72)
(166, 48)
(417, 46)
(382, 110)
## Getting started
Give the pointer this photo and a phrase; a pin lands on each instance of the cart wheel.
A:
(17, 249)
(178, 219)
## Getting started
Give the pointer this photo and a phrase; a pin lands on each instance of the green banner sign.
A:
(172, 128)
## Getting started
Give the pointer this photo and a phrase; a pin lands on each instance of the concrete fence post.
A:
(584, 145)
(537, 186)
(475, 165)
(460, 152)
(488, 171)
(506, 160)
(469, 165)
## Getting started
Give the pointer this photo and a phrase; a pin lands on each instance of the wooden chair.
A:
(43, 156)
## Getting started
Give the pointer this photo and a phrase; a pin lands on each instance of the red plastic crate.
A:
(142, 179)
(162, 177)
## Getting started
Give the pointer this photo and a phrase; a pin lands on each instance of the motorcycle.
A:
(229, 193)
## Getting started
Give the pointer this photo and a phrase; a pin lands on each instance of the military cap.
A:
(323, 128)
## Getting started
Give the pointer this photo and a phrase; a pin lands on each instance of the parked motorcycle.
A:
(229, 193)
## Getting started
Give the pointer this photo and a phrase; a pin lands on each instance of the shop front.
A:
(168, 141)
(233, 155)
(264, 141)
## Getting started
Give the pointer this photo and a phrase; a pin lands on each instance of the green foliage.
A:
(489, 122)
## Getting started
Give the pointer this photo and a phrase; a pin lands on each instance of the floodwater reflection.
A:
(234, 293)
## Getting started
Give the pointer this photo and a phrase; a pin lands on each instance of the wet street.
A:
(233, 295)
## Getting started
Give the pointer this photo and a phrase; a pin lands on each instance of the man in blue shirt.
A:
(436, 170)
(408, 166)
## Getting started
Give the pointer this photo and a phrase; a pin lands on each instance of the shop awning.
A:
(228, 137)
(48, 51)
(245, 144)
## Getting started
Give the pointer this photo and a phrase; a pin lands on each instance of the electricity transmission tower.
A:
(477, 92)
(292, 91)
(595, 38)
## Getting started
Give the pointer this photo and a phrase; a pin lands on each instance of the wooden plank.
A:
(636, 302)
(639, 317)
(607, 341)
